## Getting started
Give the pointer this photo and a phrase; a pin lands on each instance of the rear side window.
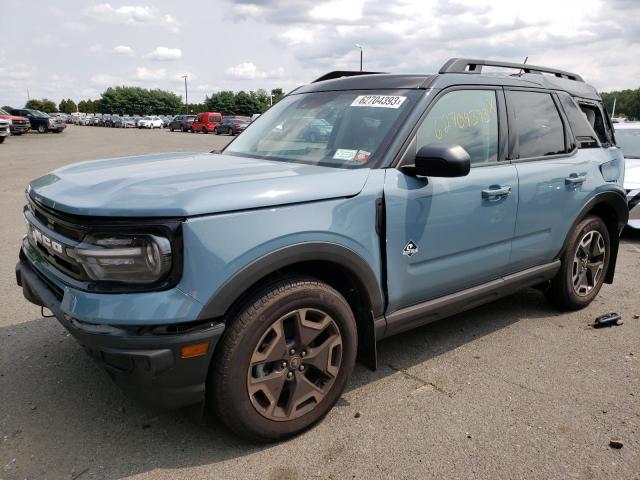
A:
(580, 127)
(216, 119)
(537, 125)
(468, 118)
(596, 120)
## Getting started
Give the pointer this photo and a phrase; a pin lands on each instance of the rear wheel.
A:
(42, 129)
(284, 360)
(584, 265)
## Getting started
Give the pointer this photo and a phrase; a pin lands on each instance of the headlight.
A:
(124, 258)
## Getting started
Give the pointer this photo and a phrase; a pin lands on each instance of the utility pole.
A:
(360, 47)
(613, 113)
(186, 93)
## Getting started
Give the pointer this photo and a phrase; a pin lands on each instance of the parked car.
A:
(205, 122)
(166, 120)
(316, 130)
(110, 120)
(252, 278)
(5, 129)
(231, 126)
(17, 124)
(182, 122)
(254, 117)
(150, 122)
(628, 139)
(40, 121)
(128, 122)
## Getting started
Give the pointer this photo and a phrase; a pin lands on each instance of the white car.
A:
(4, 129)
(150, 122)
(628, 139)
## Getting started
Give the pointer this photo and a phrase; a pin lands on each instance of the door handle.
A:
(575, 179)
(496, 193)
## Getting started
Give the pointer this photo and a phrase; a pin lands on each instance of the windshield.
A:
(38, 113)
(628, 139)
(339, 129)
(146, 118)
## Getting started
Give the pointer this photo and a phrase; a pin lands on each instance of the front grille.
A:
(57, 291)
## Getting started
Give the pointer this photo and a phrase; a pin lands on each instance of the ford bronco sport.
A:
(250, 279)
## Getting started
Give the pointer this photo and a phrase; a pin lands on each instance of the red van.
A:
(205, 122)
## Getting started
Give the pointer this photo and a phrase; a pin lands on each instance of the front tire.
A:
(584, 265)
(284, 361)
(42, 129)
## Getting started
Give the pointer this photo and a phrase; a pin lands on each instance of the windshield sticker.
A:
(462, 120)
(344, 154)
(362, 156)
(383, 101)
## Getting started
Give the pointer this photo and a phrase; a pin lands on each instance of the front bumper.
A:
(147, 366)
(19, 128)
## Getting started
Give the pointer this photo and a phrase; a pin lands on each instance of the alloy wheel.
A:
(295, 364)
(588, 263)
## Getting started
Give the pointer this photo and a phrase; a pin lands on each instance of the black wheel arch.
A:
(612, 207)
(332, 263)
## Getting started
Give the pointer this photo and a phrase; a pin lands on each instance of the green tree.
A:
(262, 100)
(67, 106)
(246, 104)
(140, 101)
(627, 103)
(88, 106)
(44, 105)
(223, 102)
(7, 108)
(277, 93)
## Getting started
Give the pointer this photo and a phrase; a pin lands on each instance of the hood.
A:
(12, 117)
(186, 184)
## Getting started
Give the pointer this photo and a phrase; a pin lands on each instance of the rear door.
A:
(555, 176)
(448, 234)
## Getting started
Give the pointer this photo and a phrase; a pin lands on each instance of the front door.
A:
(448, 234)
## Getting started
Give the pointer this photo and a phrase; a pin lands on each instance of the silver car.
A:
(628, 139)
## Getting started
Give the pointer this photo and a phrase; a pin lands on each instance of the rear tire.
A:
(42, 129)
(284, 360)
(584, 265)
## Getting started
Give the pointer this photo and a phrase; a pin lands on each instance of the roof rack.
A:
(340, 74)
(466, 65)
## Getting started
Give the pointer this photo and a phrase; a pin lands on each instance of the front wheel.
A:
(42, 129)
(284, 360)
(584, 265)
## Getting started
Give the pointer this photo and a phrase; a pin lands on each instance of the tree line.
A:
(139, 101)
(627, 103)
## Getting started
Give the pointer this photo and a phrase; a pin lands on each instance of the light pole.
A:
(360, 47)
(186, 93)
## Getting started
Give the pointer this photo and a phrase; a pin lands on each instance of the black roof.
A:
(457, 71)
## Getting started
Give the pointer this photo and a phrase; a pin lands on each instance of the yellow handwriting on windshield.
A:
(463, 120)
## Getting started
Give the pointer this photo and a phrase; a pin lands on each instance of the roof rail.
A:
(466, 65)
(340, 74)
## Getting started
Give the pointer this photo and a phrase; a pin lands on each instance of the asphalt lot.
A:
(511, 390)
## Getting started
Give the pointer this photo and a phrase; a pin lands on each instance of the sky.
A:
(76, 49)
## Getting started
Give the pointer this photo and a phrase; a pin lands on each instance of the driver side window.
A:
(468, 118)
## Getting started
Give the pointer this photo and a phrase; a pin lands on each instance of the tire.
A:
(171, 129)
(274, 309)
(313, 137)
(216, 131)
(584, 265)
(42, 129)
(2, 139)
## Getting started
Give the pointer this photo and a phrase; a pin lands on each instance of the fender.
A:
(617, 201)
(234, 287)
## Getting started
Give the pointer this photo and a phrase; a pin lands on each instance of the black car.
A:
(232, 125)
(40, 121)
(181, 122)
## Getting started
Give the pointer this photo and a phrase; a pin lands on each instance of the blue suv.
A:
(251, 279)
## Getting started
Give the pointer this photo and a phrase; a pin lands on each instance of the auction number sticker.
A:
(381, 101)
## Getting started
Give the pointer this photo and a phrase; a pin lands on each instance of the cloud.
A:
(133, 15)
(338, 10)
(16, 72)
(123, 50)
(46, 40)
(106, 80)
(98, 47)
(147, 74)
(248, 71)
(164, 54)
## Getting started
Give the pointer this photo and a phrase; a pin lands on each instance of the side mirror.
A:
(440, 160)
